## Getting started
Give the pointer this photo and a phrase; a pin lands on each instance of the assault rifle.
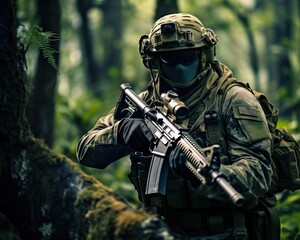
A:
(169, 135)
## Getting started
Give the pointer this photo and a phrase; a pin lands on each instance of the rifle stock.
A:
(169, 135)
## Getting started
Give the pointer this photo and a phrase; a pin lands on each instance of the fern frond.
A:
(36, 36)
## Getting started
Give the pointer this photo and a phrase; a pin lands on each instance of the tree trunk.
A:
(92, 71)
(45, 195)
(42, 105)
(111, 34)
(280, 48)
(54, 199)
(164, 7)
(108, 65)
(283, 30)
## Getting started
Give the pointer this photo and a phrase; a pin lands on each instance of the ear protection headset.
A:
(146, 52)
(210, 39)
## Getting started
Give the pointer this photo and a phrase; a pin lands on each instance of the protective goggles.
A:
(184, 57)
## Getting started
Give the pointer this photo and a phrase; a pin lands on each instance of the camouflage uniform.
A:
(194, 213)
(247, 160)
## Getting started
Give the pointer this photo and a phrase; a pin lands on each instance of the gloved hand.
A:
(177, 162)
(135, 133)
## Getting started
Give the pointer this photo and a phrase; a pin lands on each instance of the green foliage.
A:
(290, 125)
(289, 203)
(289, 209)
(75, 117)
(35, 36)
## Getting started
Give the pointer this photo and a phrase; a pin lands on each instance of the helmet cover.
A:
(180, 31)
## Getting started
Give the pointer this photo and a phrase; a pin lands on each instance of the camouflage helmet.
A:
(178, 31)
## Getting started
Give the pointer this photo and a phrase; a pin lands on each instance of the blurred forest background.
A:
(95, 49)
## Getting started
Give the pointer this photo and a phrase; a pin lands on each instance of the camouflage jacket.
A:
(247, 136)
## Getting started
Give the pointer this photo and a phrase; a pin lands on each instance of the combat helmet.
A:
(175, 32)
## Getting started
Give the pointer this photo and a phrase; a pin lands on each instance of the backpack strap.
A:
(213, 117)
(212, 122)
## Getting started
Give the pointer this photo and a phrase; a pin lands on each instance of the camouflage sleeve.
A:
(99, 147)
(248, 144)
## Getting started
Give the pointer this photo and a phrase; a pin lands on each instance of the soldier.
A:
(180, 54)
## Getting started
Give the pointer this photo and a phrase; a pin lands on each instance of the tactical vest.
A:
(184, 209)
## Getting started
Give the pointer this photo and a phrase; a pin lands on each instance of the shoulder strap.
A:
(212, 102)
(213, 117)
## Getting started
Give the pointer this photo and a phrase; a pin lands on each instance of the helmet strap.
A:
(155, 80)
(203, 60)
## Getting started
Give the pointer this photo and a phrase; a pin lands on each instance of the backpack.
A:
(286, 150)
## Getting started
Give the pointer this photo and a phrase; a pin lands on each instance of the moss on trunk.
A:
(65, 203)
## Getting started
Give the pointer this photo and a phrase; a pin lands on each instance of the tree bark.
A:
(54, 199)
(92, 71)
(42, 106)
(44, 195)
(283, 30)
(108, 65)
(112, 33)
(164, 7)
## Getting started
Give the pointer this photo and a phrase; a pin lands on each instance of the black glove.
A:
(135, 133)
(177, 162)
